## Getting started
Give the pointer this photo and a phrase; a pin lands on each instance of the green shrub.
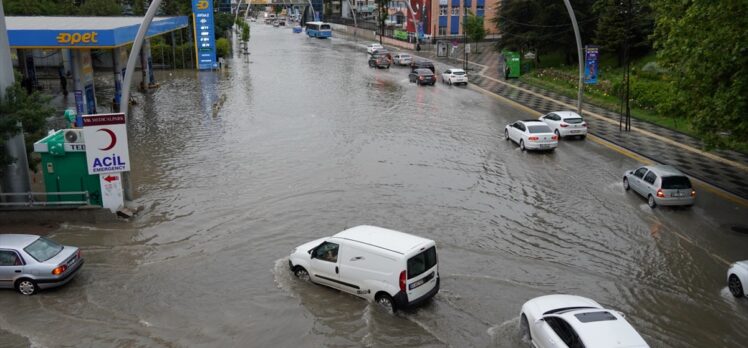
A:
(223, 47)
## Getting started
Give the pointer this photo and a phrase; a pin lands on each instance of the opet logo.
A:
(202, 5)
(76, 38)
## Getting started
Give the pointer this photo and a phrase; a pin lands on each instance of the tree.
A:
(31, 110)
(704, 45)
(474, 28)
(99, 8)
(543, 26)
(615, 25)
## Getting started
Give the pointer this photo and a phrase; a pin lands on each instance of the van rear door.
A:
(421, 274)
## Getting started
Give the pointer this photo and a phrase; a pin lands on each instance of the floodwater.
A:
(234, 169)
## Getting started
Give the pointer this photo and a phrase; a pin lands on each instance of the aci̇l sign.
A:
(204, 34)
(106, 143)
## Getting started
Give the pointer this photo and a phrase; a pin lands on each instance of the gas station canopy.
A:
(83, 32)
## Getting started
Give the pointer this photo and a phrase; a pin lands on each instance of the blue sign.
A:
(79, 108)
(205, 39)
(591, 61)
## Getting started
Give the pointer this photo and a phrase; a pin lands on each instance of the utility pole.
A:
(16, 174)
(579, 55)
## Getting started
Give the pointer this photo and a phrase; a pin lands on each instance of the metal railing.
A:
(31, 201)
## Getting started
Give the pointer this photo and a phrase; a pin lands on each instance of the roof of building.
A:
(83, 32)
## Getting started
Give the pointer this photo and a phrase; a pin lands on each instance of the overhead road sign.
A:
(84, 32)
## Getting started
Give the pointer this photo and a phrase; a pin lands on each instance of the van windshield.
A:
(676, 183)
(421, 262)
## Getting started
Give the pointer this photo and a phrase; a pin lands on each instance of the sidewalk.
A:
(727, 170)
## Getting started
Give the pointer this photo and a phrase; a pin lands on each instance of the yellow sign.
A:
(202, 5)
(76, 38)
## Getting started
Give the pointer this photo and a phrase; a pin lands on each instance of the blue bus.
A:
(318, 29)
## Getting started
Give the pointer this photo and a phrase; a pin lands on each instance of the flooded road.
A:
(234, 169)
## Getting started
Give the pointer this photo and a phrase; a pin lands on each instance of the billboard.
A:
(204, 34)
(591, 61)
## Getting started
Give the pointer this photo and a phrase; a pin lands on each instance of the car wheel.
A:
(626, 184)
(557, 134)
(581, 137)
(736, 288)
(524, 328)
(651, 201)
(506, 134)
(301, 273)
(522, 145)
(27, 287)
(385, 301)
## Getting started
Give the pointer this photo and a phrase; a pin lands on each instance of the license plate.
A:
(544, 146)
(416, 284)
(678, 194)
(575, 131)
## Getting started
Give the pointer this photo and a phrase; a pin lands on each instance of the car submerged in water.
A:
(30, 263)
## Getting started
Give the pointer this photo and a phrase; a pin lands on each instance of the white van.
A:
(395, 269)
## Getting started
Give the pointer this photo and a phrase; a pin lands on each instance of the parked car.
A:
(422, 64)
(370, 48)
(531, 135)
(422, 77)
(566, 123)
(660, 185)
(29, 263)
(378, 60)
(403, 59)
(737, 275)
(575, 321)
(454, 76)
(394, 269)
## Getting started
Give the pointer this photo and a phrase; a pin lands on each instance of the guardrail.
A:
(30, 200)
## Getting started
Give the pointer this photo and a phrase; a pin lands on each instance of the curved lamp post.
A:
(579, 56)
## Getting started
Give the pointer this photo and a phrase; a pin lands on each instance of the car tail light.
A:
(533, 138)
(564, 125)
(554, 137)
(59, 270)
(660, 193)
(402, 281)
(420, 77)
(693, 193)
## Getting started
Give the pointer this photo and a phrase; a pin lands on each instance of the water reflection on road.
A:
(236, 168)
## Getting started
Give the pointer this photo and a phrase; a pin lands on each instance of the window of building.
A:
(443, 10)
(455, 11)
(443, 30)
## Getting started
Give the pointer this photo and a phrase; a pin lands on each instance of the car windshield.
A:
(575, 120)
(458, 73)
(43, 249)
(421, 262)
(539, 129)
(676, 183)
(426, 72)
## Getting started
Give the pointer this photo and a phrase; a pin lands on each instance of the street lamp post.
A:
(579, 56)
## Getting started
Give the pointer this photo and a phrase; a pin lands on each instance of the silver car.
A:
(661, 185)
(29, 263)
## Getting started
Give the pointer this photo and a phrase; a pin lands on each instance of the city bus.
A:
(318, 29)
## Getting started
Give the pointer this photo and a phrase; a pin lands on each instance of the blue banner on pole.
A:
(79, 108)
(204, 34)
(591, 62)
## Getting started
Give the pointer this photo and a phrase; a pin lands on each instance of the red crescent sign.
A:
(112, 136)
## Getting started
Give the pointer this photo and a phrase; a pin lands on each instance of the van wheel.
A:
(385, 301)
(524, 328)
(651, 201)
(301, 273)
(27, 287)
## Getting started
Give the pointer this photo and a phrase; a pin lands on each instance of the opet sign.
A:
(77, 38)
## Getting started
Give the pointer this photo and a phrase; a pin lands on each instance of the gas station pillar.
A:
(83, 84)
(119, 62)
(146, 65)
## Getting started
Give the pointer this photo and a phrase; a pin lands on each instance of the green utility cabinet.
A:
(63, 155)
(511, 64)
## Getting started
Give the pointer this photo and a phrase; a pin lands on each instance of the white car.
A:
(454, 76)
(403, 59)
(561, 321)
(737, 275)
(373, 47)
(394, 269)
(531, 135)
(566, 123)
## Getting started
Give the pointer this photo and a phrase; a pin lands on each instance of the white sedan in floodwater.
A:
(737, 278)
(531, 135)
(575, 322)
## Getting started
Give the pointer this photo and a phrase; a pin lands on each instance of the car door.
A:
(324, 264)
(445, 74)
(513, 131)
(11, 265)
(521, 129)
(549, 120)
(635, 181)
(544, 336)
(648, 184)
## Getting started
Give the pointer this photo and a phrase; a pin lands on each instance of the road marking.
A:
(623, 151)
(645, 132)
